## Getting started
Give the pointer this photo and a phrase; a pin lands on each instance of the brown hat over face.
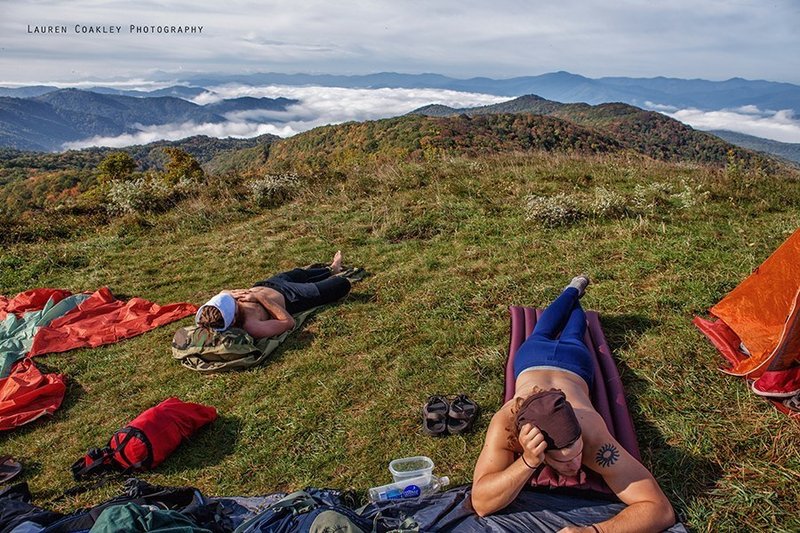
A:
(553, 415)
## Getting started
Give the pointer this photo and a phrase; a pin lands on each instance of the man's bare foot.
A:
(336, 264)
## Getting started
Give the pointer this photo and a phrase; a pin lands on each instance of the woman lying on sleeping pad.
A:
(551, 421)
(266, 309)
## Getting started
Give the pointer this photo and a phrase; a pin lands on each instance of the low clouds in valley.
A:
(318, 106)
(780, 125)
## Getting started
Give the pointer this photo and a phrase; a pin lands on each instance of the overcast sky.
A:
(711, 39)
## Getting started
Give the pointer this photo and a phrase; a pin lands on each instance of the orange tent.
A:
(758, 330)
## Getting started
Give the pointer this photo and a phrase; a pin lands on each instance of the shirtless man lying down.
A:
(266, 309)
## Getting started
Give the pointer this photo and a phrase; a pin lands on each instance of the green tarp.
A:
(131, 517)
(16, 334)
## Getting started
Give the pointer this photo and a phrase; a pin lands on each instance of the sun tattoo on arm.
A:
(607, 455)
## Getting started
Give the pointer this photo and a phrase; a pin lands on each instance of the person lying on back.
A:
(266, 309)
(551, 421)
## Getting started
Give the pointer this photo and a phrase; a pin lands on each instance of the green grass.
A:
(449, 248)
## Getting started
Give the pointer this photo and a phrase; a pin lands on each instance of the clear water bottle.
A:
(408, 488)
(435, 485)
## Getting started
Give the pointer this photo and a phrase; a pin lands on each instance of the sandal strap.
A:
(462, 408)
(440, 413)
(435, 417)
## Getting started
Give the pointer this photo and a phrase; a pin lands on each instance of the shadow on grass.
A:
(361, 297)
(621, 329)
(75, 392)
(682, 475)
(303, 338)
(120, 295)
(208, 447)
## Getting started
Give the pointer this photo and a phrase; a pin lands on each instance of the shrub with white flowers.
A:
(274, 189)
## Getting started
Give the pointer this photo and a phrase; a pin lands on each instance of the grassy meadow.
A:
(449, 244)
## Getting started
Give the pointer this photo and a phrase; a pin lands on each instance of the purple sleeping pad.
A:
(607, 394)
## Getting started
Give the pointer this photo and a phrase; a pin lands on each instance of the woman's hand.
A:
(533, 445)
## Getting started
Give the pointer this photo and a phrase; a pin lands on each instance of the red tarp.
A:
(26, 395)
(102, 319)
(32, 300)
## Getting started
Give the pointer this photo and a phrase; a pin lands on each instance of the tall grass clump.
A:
(136, 196)
(147, 194)
(609, 204)
(563, 208)
(556, 210)
(274, 189)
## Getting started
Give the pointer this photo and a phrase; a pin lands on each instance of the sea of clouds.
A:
(317, 106)
(780, 125)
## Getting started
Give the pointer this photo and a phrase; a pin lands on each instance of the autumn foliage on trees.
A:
(182, 166)
(115, 167)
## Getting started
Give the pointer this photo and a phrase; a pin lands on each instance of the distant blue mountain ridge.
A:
(559, 86)
(47, 121)
(43, 117)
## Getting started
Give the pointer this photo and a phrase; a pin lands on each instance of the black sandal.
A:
(434, 416)
(462, 415)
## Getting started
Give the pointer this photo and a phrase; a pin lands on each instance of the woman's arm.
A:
(282, 321)
(277, 311)
(648, 508)
(498, 477)
(267, 328)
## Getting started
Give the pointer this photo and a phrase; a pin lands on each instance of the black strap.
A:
(99, 461)
(130, 432)
(80, 489)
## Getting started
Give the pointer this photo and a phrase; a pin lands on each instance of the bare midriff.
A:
(573, 386)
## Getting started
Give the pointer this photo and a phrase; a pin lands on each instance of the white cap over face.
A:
(226, 305)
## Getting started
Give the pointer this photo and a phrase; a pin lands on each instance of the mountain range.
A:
(34, 180)
(44, 118)
(561, 86)
(647, 132)
(47, 121)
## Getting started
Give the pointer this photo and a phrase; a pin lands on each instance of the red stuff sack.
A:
(148, 440)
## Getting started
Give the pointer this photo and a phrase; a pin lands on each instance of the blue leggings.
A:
(557, 339)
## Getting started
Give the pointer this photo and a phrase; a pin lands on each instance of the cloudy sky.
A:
(711, 39)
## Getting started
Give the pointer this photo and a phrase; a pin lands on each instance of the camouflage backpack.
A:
(209, 351)
(194, 340)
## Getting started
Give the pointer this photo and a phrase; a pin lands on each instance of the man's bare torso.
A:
(250, 309)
